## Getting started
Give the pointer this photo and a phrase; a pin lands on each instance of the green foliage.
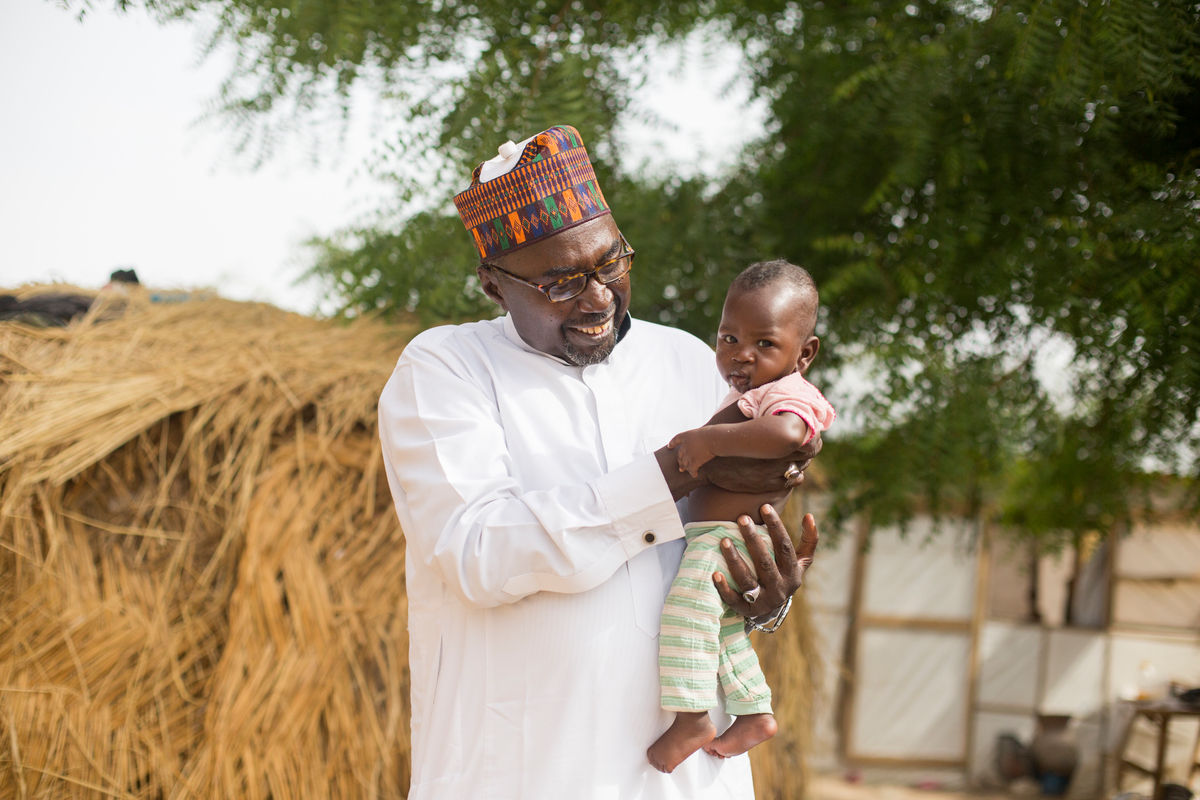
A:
(388, 272)
(970, 180)
(690, 244)
(957, 418)
(969, 183)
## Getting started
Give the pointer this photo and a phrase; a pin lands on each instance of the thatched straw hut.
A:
(201, 575)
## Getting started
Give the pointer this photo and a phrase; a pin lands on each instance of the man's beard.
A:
(601, 351)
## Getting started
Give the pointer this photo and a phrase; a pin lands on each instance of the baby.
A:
(764, 345)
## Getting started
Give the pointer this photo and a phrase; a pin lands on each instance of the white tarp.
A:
(1173, 658)
(1160, 552)
(1167, 603)
(919, 575)
(830, 580)
(1074, 682)
(831, 632)
(911, 694)
(1008, 664)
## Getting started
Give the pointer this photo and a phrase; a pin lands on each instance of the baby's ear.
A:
(808, 354)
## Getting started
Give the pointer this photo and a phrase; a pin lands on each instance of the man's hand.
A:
(692, 449)
(779, 577)
(758, 475)
(742, 475)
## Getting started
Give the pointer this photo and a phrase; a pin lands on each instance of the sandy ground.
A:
(836, 787)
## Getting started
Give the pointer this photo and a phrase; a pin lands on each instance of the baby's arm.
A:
(773, 436)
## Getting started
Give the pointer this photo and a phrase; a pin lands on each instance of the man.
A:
(526, 457)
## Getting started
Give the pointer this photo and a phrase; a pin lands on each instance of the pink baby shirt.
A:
(792, 394)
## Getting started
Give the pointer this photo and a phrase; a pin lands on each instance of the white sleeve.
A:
(468, 518)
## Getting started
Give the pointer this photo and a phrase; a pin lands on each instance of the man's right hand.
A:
(760, 476)
(742, 475)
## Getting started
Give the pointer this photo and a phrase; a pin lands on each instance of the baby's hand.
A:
(693, 452)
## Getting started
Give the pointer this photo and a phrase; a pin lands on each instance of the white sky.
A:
(105, 166)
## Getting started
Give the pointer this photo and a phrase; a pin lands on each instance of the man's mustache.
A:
(596, 317)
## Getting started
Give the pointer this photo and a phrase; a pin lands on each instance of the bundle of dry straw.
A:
(201, 574)
(201, 578)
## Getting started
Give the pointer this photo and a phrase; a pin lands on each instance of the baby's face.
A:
(764, 335)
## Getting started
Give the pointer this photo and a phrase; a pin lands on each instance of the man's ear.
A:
(491, 286)
(808, 354)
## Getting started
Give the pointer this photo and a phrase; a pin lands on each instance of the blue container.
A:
(1054, 785)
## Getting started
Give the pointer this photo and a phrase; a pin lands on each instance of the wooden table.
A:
(1160, 713)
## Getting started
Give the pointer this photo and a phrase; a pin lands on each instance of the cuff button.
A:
(648, 537)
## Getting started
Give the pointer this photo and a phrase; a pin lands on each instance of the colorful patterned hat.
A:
(532, 190)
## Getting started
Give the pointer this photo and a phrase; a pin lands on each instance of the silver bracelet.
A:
(774, 624)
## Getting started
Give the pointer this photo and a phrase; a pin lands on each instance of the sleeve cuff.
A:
(640, 505)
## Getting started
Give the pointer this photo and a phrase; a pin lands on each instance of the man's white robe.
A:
(541, 541)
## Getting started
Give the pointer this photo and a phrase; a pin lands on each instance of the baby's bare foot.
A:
(690, 731)
(748, 730)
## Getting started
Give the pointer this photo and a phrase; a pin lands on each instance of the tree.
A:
(966, 181)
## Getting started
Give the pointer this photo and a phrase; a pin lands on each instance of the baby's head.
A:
(767, 325)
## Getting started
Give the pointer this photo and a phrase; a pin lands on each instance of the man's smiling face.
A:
(583, 329)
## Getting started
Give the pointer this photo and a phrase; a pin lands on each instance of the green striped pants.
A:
(701, 640)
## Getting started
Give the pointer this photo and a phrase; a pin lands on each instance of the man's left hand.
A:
(778, 577)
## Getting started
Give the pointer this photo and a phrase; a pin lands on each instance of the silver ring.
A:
(791, 472)
(750, 595)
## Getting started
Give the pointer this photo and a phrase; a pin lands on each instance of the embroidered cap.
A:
(531, 190)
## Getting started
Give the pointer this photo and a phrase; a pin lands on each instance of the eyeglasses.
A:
(573, 285)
